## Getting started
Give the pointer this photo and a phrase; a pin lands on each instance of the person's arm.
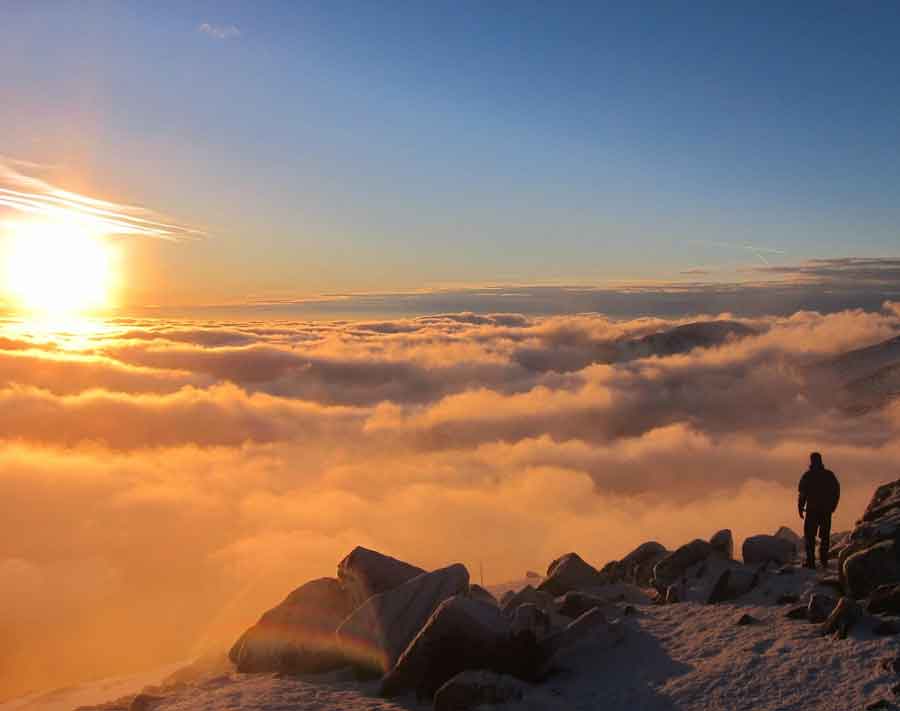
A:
(801, 499)
(837, 493)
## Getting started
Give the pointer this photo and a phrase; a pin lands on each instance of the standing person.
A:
(820, 492)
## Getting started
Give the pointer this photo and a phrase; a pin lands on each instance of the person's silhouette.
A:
(820, 492)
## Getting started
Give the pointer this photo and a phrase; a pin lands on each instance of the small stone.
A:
(746, 619)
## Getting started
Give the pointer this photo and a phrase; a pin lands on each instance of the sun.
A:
(56, 269)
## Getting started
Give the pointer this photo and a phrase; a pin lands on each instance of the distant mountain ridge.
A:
(685, 338)
(867, 378)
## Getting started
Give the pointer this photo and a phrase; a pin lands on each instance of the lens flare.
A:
(57, 269)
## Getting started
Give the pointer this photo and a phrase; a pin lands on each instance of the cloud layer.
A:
(173, 479)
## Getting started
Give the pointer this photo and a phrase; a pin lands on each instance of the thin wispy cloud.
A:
(25, 194)
(758, 252)
(221, 32)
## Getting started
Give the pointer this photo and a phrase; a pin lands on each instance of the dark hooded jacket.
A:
(820, 490)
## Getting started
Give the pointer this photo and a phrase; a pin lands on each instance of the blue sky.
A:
(331, 146)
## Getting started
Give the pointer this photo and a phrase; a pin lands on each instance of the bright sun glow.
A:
(55, 269)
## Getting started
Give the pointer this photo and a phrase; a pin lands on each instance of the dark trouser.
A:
(817, 522)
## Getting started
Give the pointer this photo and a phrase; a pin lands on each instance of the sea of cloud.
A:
(164, 482)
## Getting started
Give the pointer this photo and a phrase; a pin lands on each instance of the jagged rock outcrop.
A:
(297, 635)
(672, 567)
(476, 689)
(870, 558)
(723, 542)
(462, 633)
(570, 572)
(365, 572)
(479, 593)
(543, 600)
(637, 566)
(767, 549)
(376, 633)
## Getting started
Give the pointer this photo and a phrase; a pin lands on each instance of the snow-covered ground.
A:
(683, 656)
(694, 657)
(91, 692)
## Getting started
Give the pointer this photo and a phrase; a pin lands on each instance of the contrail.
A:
(34, 196)
(758, 252)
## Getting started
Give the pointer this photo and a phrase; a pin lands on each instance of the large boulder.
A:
(732, 582)
(462, 633)
(723, 542)
(795, 539)
(570, 572)
(582, 639)
(475, 689)
(530, 618)
(365, 572)
(637, 566)
(870, 568)
(640, 562)
(765, 549)
(297, 635)
(671, 568)
(379, 630)
(713, 580)
(869, 557)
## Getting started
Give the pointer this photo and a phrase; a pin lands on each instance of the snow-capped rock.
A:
(870, 557)
(378, 631)
(637, 566)
(765, 549)
(570, 572)
(462, 633)
(298, 634)
(365, 572)
(672, 566)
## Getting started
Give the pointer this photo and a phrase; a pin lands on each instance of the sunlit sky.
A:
(336, 146)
